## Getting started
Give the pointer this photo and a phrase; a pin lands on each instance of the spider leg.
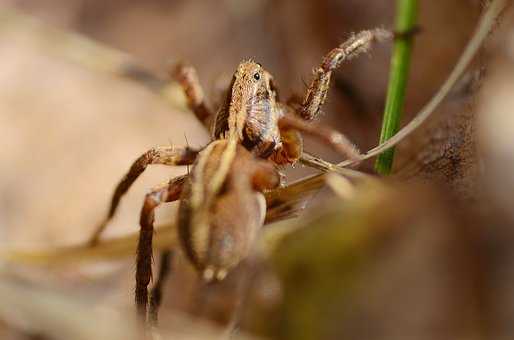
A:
(187, 77)
(156, 294)
(165, 193)
(318, 88)
(162, 155)
(290, 123)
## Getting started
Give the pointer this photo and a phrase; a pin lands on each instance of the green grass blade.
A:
(400, 62)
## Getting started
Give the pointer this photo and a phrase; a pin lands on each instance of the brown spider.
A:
(221, 203)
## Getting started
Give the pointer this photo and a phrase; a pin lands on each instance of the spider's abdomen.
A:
(218, 226)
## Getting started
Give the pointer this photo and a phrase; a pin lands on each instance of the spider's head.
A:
(249, 82)
(250, 105)
(252, 79)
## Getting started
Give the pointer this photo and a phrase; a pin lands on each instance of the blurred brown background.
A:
(69, 133)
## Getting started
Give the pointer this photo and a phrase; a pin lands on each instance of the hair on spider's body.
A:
(221, 204)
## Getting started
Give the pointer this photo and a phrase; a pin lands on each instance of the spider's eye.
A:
(256, 76)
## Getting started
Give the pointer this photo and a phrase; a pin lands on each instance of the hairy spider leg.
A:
(292, 146)
(318, 88)
(167, 155)
(156, 293)
(187, 77)
(162, 194)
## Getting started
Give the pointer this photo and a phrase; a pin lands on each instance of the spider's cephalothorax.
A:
(251, 109)
(221, 204)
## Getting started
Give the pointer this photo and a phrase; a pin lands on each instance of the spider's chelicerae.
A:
(221, 204)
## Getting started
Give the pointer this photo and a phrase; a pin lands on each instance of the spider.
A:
(221, 204)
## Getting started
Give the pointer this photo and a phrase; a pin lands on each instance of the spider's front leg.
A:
(187, 77)
(167, 155)
(166, 193)
(317, 90)
(292, 146)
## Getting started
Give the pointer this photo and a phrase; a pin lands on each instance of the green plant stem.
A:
(405, 23)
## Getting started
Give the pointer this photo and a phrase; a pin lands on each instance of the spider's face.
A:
(249, 81)
(252, 109)
(251, 74)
